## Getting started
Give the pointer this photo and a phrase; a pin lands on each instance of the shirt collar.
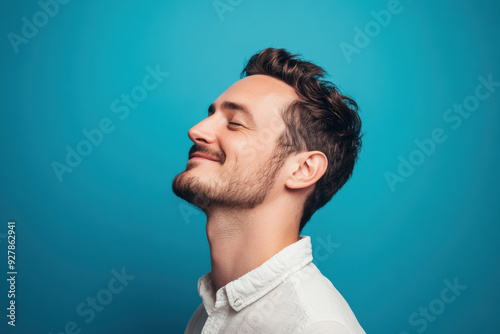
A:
(258, 282)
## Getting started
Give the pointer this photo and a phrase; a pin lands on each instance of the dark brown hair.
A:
(321, 119)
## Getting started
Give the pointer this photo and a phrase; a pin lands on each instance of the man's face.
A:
(234, 161)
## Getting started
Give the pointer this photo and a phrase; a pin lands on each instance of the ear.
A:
(307, 168)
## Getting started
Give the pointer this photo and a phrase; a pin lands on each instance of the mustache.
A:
(219, 156)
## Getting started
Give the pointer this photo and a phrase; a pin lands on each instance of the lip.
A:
(201, 156)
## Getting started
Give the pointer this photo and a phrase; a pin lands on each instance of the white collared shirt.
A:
(286, 294)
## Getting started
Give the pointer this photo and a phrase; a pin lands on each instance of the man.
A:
(275, 147)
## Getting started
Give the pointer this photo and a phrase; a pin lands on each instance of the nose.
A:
(203, 132)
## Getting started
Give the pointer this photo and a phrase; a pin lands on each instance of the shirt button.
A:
(237, 302)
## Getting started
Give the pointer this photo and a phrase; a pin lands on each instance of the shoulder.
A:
(323, 327)
(323, 305)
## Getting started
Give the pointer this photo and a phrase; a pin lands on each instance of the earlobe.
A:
(309, 168)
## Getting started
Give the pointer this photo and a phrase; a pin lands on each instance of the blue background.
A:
(394, 247)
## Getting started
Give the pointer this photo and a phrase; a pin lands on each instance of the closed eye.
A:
(235, 124)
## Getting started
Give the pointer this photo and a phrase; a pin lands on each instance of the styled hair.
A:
(320, 119)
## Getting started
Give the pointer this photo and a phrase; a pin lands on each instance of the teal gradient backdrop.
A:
(110, 233)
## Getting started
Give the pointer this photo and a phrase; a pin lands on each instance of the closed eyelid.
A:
(233, 107)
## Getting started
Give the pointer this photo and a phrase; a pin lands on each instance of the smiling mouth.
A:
(201, 156)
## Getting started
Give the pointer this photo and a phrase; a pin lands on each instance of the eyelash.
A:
(230, 123)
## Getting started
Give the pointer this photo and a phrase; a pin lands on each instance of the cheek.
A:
(255, 150)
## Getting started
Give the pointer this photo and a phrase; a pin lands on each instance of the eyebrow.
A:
(232, 106)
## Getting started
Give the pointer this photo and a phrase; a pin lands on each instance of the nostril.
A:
(202, 140)
(203, 132)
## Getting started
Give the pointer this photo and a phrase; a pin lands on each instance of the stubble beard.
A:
(229, 190)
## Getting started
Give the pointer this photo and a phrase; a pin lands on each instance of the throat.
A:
(237, 247)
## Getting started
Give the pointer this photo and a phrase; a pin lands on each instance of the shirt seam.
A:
(303, 331)
(308, 321)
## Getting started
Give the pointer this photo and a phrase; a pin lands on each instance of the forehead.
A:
(263, 95)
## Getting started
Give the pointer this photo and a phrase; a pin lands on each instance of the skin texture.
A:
(252, 197)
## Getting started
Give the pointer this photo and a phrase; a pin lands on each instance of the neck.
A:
(241, 240)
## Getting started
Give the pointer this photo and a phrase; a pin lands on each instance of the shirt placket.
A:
(218, 315)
